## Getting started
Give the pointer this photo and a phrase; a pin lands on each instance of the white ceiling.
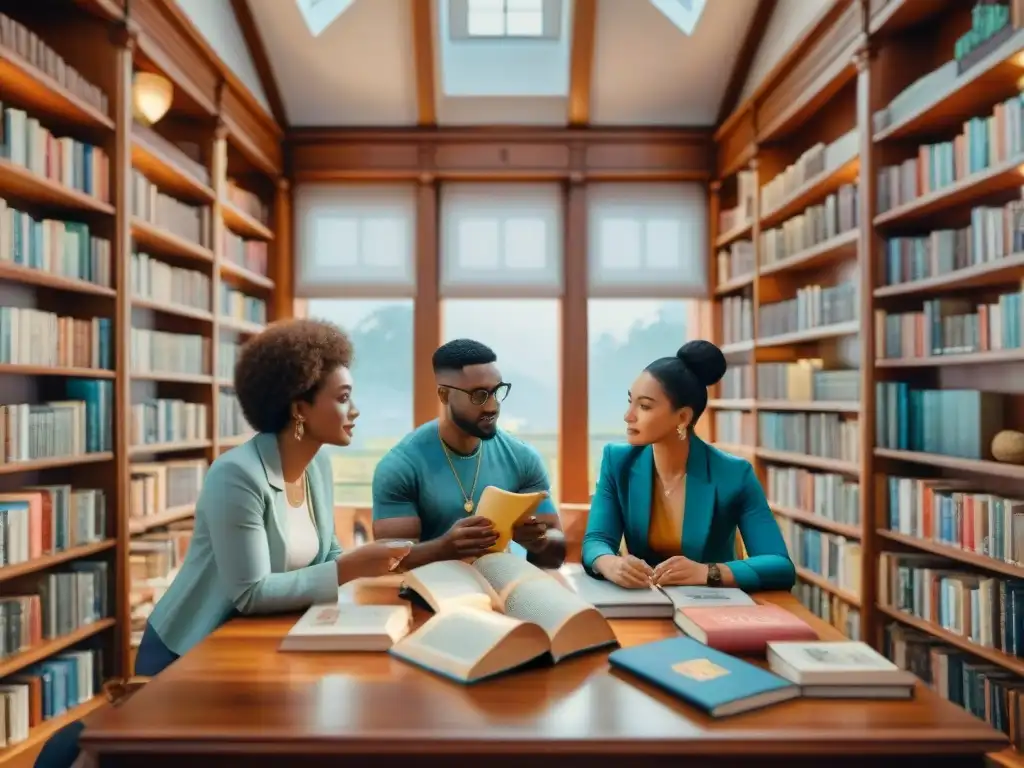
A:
(360, 70)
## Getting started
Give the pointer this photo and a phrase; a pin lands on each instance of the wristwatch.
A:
(714, 576)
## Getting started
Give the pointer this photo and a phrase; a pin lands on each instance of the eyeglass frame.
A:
(488, 393)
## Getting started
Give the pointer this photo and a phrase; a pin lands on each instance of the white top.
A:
(303, 542)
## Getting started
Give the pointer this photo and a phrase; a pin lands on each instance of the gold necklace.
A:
(669, 490)
(295, 491)
(469, 505)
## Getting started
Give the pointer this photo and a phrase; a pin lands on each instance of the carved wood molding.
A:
(317, 154)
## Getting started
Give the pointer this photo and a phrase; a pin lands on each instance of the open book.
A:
(615, 602)
(506, 510)
(496, 614)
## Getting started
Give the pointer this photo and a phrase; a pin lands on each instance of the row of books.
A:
(737, 383)
(240, 306)
(948, 422)
(232, 420)
(189, 222)
(735, 427)
(59, 429)
(227, 356)
(814, 162)
(174, 353)
(59, 603)
(158, 281)
(737, 319)
(736, 261)
(46, 339)
(61, 159)
(994, 233)
(157, 487)
(248, 254)
(828, 435)
(27, 45)
(815, 306)
(154, 560)
(984, 143)
(807, 381)
(819, 223)
(44, 520)
(826, 495)
(829, 608)
(835, 558)
(165, 420)
(247, 202)
(65, 248)
(730, 219)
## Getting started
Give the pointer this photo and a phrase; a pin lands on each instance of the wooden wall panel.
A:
(507, 153)
(257, 139)
(735, 143)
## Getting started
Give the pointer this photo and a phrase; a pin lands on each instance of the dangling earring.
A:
(300, 429)
(682, 431)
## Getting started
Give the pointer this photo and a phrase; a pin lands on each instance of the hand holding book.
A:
(469, 537)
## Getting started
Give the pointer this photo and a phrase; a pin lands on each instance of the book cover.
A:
(742, 628)
(706, 597)
(712, 681)
(843, 663)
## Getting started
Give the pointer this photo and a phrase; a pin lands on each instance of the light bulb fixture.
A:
(151, 96)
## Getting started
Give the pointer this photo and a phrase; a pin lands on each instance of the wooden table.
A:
(236, 695)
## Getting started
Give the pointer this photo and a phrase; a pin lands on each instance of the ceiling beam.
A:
(581, 61)
(745, 58)
(423, 14)
(264, 70)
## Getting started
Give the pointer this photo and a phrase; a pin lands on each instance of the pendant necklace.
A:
(469, 506)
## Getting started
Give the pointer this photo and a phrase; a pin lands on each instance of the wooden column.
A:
(219, 180)
(284, 252)
(427, 304)
(121, 166)
(573, 433)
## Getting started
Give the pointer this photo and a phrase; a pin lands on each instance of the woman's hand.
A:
(680, 572)
(626, 571)
(377, 559)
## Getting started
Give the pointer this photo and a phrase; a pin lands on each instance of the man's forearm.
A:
(549, 552)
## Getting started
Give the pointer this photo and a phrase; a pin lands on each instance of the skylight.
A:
(683, 13)
(320, 14)
(505, 18)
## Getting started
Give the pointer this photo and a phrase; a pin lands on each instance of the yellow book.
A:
(506, 510)
(495, 614)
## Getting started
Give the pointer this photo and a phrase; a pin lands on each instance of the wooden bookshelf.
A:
(208, 136)
(889, 45)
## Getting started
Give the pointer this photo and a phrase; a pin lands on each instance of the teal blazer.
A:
(236, 560)
(722, 494)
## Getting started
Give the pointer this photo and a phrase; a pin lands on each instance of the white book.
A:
(845, 664)
(706, 597)
(340, 627)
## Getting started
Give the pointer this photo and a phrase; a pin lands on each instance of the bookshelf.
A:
(918, 107)
(127, 272)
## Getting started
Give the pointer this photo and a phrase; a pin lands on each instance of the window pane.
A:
(620, 245)
(383, 243)
(336, 242)
(485, 23)
(478, 244)
(663, 246)
(381, 333)
(526, 243)
(524, 24)
(524, 333)
(623, 337)
(534, 6)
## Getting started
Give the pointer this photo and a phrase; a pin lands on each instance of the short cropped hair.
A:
(458, 353)
(287, 362)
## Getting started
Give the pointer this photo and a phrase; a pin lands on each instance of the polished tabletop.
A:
(235, 693)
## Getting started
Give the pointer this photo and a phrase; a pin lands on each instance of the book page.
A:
(465, 644)
(570, 622)
(448, 584)
(506, 510)
(503, 571)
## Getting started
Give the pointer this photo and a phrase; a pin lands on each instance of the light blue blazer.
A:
(722, 495)
(236, 560)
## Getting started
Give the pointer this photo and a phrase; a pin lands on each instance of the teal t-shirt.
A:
(414, 478)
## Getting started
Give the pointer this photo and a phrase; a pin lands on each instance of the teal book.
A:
(715, 682)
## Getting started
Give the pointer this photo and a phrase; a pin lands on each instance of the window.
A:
(624, 336)
(320, 14)
(355, 240)
(501, 240)
(683, 13)
(525, 334)
(647, 240)
(505, 18)
(381, 331)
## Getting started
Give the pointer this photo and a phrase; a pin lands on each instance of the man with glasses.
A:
(427, 487)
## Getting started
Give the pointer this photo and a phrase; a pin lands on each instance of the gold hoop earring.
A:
(682, 431)
(300, 429)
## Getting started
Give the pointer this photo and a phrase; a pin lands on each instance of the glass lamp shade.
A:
(151, 96)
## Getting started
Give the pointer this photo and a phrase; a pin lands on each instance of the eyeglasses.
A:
(481, 396)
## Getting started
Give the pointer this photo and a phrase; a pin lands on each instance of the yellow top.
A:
(665, 533)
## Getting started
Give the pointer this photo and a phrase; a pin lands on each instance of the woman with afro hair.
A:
(264, 537)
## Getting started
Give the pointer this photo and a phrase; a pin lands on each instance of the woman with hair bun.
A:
(677, 500)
